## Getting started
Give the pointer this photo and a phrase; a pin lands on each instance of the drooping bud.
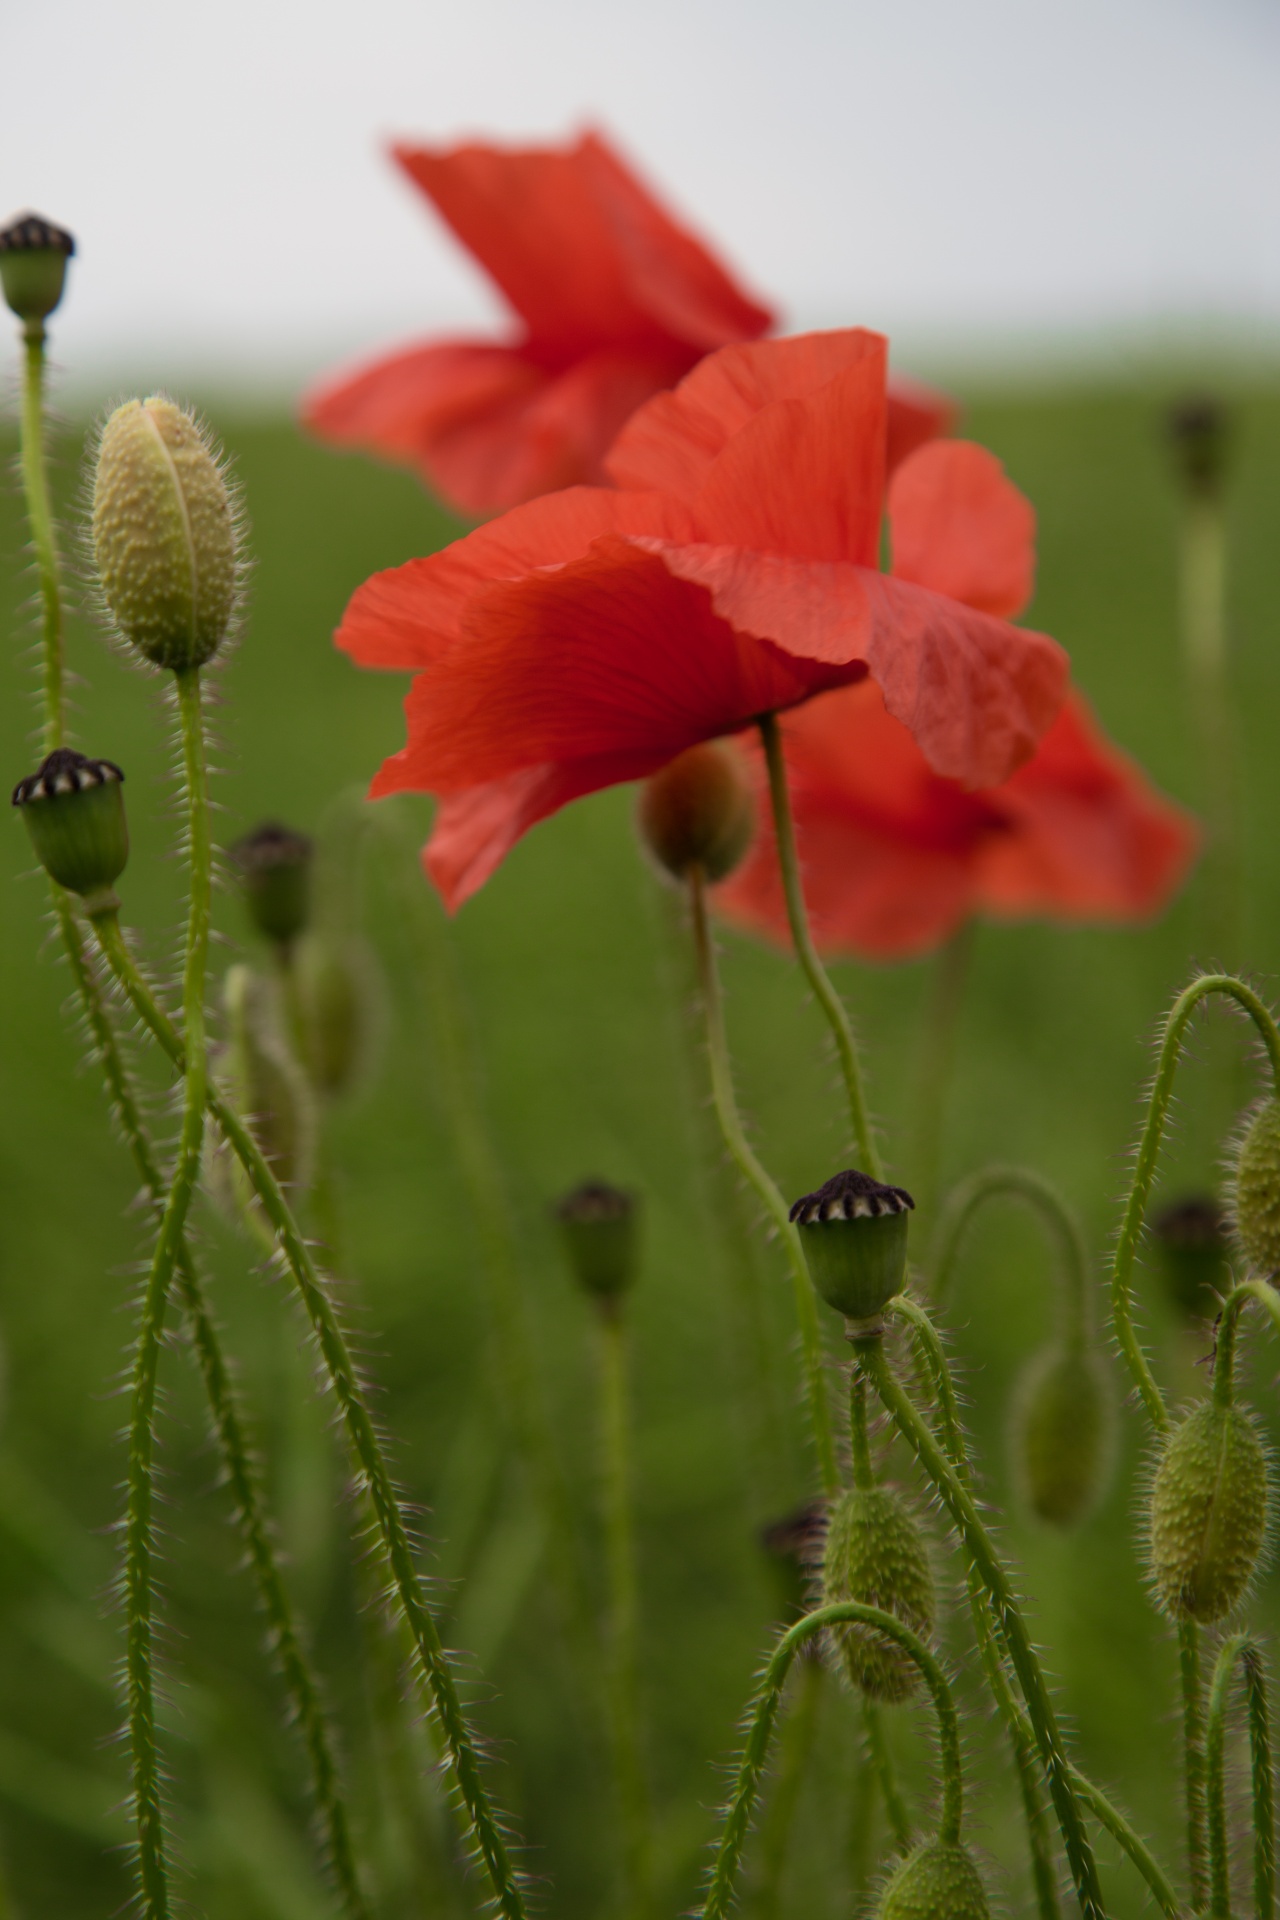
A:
(1257, 1190)
(793, 1548)
(1199, 429)
(698, 812)
(33, 266)
(262, 1078)
(854, 1234)
(1191, 1236)
(600, 1228)
(939, 1881)
(274, 864)
(337, 987)
(74, 812)
(165, 537)
(876, 1554)
(1062, 1433)
(1209, 1509)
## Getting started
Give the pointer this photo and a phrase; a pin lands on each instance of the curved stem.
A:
(1131, 1225)
(763, 1714)
(1136, 1848)
(434, 1669)
(35, 487)
(1240, 1647)
(1044, 1200)
(1224, 1357)
(623, 1609)
(823, 991)
(750, 1167)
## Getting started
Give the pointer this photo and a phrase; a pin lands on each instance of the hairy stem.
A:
(1240, 1647)
(797, 1744)
(35, 487)
(1059, 1220)
(1261, 1294)
(633, 1797)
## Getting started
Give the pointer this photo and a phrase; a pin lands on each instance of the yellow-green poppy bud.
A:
(33, 266)
(1257, 1190)
(274, 864)
(939, 1881)
(165, 534)
(1209, 1509)
(698, 812)
(337, 986)
(600, 1227)
(1062, 1433)
(1191, 1242)
(854, 1234)
(876, 1553)
(74, 812)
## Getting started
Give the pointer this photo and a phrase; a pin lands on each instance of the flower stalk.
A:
(1239, 1647)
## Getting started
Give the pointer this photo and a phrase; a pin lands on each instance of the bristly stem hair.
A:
(1240, 1647)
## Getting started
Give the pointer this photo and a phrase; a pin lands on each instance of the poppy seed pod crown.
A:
(939, 1881)
(599, 1224)
(854, 1234)
(73, 808)
(33, 266)
(698, 812)
(1191, 1238)
(274, 864)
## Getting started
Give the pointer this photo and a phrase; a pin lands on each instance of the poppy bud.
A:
(698, 812)
(33, 266)
(1199, 430)
(74, 812)
(263, 1079)
(876, 1554)
(793, 1548)
(854, 1234)
(165, 538)
(1257, 1189)
(337, 987)
(939, 1881)
(1062, 1433)
(275, 876)
(1191, 1238)
(1209, 1507)
(599, 1224)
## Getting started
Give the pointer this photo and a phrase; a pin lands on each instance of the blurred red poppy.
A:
(894, 857)
(588, 637)
(617, 303)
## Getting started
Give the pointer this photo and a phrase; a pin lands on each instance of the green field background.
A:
(575, 980)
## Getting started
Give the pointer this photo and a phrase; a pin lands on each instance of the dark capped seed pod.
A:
(793, 1548)
(876, 1554)
(600, 1225)
(33, 266)
(854, 1234)
(73, 808)
(1191, 1242)
(939, 1881)
(1199, 431)
(274, 864)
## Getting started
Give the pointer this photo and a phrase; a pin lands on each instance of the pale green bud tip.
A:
(600, 1228)
(74, 812)
(1191, 1240)
(698, 812)
(33, 265)
(939, 1881)
(1257, 1192)
(165, 538)
(876, 1554)
(854, 1234)
(274, 864)
(1209, 1511)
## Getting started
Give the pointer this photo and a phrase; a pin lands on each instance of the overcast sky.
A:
(952, 170)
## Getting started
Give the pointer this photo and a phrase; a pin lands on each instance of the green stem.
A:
(1136, 1848)
(937, 1059)
(1224, 1359)
(1131, 1225)
(823, 992)
(886, 1775)
(633, 1797)
(859, 1438)
(1191, 1686)
(35, 486)
(1020, 1183)
(726, 1106)
(1263, 1780)
(1240, 1647)
(434, 1670)
(1204, 632)
(869, 1354)
(763, 1714)
(797, 1745)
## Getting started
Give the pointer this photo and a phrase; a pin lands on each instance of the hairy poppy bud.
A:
(1199, 431)
(33, 266)
(1258, 1189)
(698, 812)
(854, 1234)
(793, 1548)
(1191, 1237)
(74, 812)
(939, 1881)
(876, 1554)
(274, 864)
(337, 986)
(1209, 1505)
(263, 1079)
(165, 539)
(599, 1225)
(1062, 1433)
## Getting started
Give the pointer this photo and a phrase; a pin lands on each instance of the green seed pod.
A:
(876, 1554)
(165, 538)
(73, 808)
(1062, 1433)
(854, 1234)
(1209, 1509)
(337, 986)
(939, 1881)
(698, 812)
(600, 1226)
(1191, 1238)
(263, 1080)
(274, 864)
(33, 267)
(1257, 1187)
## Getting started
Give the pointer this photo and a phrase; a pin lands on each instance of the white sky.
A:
(956, 171)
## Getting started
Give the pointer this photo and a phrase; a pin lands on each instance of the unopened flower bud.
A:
(698, 812)
(793, 1548)
(337, 986)
(599, 1224)
(1257, 1190)
(165, 538)
(1062, 1433)
(1191, 1240)
(1200, 430)
(74, 812)
(876, 1554)
(854, 1234)
(33, 266)
(274, 865)
(939, 1881)
(1209, 1509)
(262, 1078)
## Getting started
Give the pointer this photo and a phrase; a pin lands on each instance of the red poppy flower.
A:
(894, 857)
(590, 636)
(617, 303)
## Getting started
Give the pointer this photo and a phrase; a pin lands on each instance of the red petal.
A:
(960, 526)
(917, 414)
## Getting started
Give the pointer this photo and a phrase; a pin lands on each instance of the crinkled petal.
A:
(960, 527)
(917, 414)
